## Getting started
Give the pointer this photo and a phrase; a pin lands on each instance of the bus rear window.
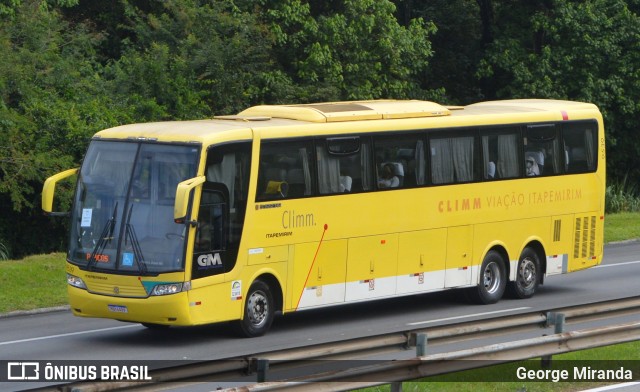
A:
(580, 144)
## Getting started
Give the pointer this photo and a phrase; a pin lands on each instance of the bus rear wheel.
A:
(258, 310)
(527, 276)
(492, 280)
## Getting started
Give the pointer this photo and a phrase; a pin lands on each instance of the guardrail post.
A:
(262, 365)
(396, 386)
(545, 360)
(550, 319)
(421, 344)
(558, 322)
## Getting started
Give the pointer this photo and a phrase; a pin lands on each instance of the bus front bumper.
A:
(165, 310)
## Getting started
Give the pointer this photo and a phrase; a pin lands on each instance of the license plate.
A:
(118, 309)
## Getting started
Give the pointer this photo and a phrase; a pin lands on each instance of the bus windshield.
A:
(122, 220)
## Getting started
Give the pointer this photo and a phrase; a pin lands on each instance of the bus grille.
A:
(136, 291)
(585, 237)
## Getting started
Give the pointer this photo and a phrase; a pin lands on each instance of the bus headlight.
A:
(76, 282)
(170, 288)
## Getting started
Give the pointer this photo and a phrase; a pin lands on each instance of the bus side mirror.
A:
(182, 197)
(49, 188)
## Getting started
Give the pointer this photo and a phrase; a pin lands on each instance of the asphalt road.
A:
(61, 336)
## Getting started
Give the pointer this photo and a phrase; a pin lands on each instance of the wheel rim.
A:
(527, 273)
(491, 277)
(257, 309)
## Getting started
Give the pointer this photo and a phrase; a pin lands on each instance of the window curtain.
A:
(420, 166)
(365, 164)
(555, 156)
(304, 157)
(485, 154)
(508, 165)
(328, 172)
(589, 148)
(441, 161)
(462, 151)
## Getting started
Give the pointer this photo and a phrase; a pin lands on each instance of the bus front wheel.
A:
(258, 310)
(528, 275)
(492, 280)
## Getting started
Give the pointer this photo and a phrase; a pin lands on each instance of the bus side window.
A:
(343, 164)
(329, 172)
(400, 161)
(580, 146)
(284, 171)
(542, 146)
(500, 153)
(452, 159)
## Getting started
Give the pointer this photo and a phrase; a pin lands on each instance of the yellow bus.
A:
(282, 208)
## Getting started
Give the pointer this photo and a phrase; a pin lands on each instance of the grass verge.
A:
(489, 379)
(622, 226)
(33, 282)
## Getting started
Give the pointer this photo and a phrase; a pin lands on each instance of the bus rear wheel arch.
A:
(528, 274)
(493, 279)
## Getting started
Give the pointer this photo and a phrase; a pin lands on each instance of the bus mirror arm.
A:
(183, 191)
(48, 191)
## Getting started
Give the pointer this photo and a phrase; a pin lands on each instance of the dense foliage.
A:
(72, 67)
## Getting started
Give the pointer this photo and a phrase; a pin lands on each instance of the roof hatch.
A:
(349, 111)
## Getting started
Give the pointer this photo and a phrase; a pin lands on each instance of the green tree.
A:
(8, 8)
(457, 46)
(188, 59)
(50, 104)
(351, 49)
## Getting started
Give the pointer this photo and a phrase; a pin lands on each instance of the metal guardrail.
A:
(421, 366)
(436, 364)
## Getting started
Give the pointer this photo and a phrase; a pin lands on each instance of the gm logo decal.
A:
(210, 260)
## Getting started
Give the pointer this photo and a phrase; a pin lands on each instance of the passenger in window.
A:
(345, 183)
(532, 167)
(388, 179)
(491, 170)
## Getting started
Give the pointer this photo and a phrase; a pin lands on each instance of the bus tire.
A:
(527, 275)
(258, 310)
(492, 282)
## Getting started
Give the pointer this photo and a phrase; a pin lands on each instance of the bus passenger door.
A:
(459, 257)
(372, 265)
(210, 251)
(222, 209)
(318, 273)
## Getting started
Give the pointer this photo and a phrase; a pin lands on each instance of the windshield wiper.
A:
(105, 237)
(130, 234)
